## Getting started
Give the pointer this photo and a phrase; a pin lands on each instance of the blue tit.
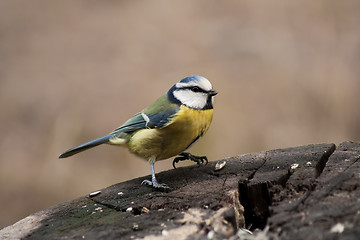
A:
(166, 128)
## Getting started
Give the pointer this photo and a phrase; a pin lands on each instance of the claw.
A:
(178, 159)
(160, 186)
(154, 183)
(188, 156)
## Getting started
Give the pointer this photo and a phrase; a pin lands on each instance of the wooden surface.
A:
(306, 192)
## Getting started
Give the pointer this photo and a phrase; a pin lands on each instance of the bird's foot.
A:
(156, 185)
(188, 156)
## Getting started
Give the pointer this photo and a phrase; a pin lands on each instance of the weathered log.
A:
(307, 192)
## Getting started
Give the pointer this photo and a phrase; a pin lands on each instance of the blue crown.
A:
(191, 79)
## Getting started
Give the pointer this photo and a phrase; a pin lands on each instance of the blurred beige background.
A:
(71, 71)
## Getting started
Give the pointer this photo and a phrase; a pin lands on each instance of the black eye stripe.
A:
(195, 89)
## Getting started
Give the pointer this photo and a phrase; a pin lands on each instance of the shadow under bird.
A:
(166, 128)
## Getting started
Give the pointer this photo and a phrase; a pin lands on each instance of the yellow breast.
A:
(162, 143)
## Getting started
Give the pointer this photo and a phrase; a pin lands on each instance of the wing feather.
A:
(157, 115)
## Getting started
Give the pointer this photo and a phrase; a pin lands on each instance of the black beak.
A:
(212, 92)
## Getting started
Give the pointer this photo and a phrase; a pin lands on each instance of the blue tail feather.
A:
(85, 146)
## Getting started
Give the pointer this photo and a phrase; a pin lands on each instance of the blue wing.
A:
(142, 120)
(156, 115)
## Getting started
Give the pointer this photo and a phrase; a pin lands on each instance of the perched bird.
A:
(166, 128)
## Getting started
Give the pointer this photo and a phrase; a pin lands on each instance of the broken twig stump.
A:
(307, 192)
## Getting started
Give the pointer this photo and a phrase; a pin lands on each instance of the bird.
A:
(166, 128)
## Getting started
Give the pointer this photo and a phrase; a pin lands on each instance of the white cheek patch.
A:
(191, 99)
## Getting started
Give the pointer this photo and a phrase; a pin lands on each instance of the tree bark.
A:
(306, 192)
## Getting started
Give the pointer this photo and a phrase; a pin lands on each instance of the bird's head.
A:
(194, 92)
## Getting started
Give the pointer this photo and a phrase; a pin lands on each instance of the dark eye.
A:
(195, 89)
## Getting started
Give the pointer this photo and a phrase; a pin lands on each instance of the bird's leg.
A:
(154, 183)
(188, 156)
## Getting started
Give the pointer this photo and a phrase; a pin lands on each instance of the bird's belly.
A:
(162, 143)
